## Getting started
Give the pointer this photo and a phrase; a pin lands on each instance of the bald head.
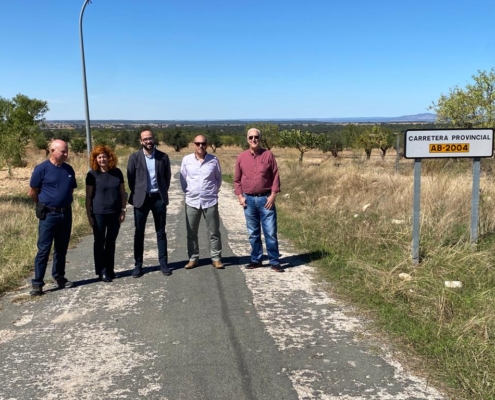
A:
(57, 143)
(200, 144)
(200, 139)
(59, 151)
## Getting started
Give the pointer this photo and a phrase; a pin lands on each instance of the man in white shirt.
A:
(201, 178)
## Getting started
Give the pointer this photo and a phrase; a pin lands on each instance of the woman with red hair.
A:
(106, 206)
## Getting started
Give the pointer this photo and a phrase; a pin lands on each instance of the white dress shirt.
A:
(200, 180)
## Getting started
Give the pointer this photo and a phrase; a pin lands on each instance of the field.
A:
(355, 217)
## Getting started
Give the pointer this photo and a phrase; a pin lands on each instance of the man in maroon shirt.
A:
(256, 184)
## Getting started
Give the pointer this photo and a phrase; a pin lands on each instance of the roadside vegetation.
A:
(357, 219)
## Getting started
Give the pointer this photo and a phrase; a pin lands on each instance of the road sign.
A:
(448, 143)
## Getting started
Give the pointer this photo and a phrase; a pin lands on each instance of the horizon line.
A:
(429, 116)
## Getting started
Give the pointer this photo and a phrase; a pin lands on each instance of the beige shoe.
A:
(191, 264)
(217, 264)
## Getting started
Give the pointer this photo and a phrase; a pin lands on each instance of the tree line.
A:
(22, 122)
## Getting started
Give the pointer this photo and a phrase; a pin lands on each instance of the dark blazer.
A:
(137, 176)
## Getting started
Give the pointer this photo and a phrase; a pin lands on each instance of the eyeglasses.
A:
(147, 139)
(253, 137)
(200, 144)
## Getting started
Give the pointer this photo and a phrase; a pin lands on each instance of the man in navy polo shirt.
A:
(51, 187)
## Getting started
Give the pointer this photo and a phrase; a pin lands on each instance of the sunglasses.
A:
(253, 137)
(200, 144)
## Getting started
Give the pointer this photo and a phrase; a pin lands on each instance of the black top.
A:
(106, 191)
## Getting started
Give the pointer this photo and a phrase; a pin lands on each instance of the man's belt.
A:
(57, 209)
(259, 194)
(153, 194)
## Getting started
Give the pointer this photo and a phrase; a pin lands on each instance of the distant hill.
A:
(425, 117)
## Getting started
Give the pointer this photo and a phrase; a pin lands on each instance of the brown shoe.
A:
(217, 264)
(191, 264)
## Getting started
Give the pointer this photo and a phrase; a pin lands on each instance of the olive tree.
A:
(78, 144)
(385, 140)
(128, 138)
(469, 107)
(214, 140)
(333, 143)
(20, 120)
(175, 138)
(373, 138)
(302, 141)
(350, 133)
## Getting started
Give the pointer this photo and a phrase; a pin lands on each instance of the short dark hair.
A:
(143, 129)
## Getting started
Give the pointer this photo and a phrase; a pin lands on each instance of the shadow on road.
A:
(228, 262)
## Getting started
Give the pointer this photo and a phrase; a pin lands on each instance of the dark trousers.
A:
(105, 231)
(159, 210)
(54, 229)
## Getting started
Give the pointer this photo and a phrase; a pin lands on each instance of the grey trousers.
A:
(193, 217)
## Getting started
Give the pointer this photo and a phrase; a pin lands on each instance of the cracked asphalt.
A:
(198, 334)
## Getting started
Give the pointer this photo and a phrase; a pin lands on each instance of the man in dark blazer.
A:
(148, 175)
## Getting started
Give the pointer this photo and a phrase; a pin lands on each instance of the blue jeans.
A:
(105, 231)
(159, 210)
(54, 229)
(257, 217)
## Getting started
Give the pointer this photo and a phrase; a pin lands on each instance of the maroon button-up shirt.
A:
(256, 173)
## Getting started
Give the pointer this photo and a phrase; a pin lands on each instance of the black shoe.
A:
(137, 273)
(277, 268)
(37, 290)
(106, 278)
(113, 275)
(64, 283)
(100, 277)
(166, 271)
(253, 265)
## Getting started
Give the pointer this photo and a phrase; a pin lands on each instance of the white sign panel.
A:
(448, 143)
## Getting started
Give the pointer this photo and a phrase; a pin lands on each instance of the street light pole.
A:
(85, 86)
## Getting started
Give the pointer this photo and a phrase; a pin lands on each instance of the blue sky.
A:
(243, 59)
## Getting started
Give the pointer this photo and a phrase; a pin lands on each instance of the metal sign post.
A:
(446, 143)
(416, 210)
(475, 200)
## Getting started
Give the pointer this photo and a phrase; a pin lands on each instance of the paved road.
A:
(198, 334)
